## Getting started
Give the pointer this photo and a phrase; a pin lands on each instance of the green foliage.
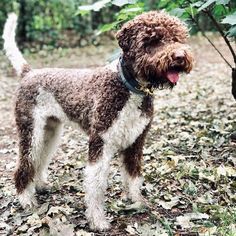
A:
(98, 5)
(222, 10)
(42, 25)
(230, 19)
(218, 9)
(41, 21)
(124, 15)
(130, 9)
(57, 22)
(232, 31)
(52, 22)
(93, 7)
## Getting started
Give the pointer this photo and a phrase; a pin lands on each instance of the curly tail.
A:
(10, 47)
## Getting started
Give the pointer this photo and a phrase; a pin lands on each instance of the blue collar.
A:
(128, 80)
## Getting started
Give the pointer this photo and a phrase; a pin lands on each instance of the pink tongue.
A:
(172, 76)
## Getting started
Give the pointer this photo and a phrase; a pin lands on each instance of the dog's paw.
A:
(27, 199)
(97, 220)
(26, 202)
(100, 225)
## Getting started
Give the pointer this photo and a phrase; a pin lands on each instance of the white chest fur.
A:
(129, 124)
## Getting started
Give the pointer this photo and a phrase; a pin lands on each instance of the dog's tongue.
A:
(172, 76)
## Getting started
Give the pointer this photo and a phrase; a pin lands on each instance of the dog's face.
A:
(154, 44)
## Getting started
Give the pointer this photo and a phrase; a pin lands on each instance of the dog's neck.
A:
(127, 77)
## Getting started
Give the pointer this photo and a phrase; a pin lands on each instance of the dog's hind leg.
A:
(25, 172)
(52, 133)
(95, 182)
(38, 135)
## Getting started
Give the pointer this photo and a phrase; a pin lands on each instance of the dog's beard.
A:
(164, 80)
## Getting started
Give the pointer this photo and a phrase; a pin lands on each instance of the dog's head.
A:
(154, 46)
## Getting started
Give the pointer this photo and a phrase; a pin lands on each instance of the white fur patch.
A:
(26, 198)
(12, 52)
(95, 184)
(129, 124)
(132, 185)
(42, 146)
(46, 106)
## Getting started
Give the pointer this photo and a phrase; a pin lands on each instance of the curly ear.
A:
(123, 37)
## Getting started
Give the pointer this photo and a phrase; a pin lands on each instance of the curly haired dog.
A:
(113, 105)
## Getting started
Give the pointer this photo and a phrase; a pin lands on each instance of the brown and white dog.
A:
(113, 105)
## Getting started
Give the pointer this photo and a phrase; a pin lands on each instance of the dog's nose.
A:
(178, 56)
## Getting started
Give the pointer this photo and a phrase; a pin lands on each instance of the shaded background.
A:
(55, 22)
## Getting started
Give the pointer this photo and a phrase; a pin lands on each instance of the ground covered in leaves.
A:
(189, 161)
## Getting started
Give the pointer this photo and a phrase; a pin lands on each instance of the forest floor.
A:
(189, 164)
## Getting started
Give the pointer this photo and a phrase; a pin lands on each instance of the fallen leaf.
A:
(185, 221)
(169, 204)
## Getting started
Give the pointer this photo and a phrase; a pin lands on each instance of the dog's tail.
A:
(10, 47)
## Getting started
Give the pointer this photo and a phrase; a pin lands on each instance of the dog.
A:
(113, 105)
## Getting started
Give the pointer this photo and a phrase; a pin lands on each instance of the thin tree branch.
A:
(221, 33)
(209, 40)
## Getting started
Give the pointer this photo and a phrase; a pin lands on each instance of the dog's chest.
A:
(128, 126)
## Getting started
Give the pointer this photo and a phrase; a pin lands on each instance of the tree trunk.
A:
(234, 82)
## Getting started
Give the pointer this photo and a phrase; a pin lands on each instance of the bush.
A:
(53, 22)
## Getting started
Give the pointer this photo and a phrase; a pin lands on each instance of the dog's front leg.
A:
(131, 169)
(95, 183)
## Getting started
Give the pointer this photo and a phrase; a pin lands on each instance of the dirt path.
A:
(189, 163)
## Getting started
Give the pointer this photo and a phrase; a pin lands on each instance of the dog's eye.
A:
(152, 45)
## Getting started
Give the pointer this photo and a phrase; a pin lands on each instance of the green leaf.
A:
(232, 32)
(219, 11)
(86, 8)
(177, 12)
(93, 7)
(82, 12)
(190, 11)
(129, 12)
(210, 2)
(222, 2)
(100, 4)
(108, 27)
(121, 3)
(230, 19)
(206, 4)
(197, 4)
(135, 9)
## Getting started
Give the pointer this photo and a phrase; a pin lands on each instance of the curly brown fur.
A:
(100, 103)
(149, 44)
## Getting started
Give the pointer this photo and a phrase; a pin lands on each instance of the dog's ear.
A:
(139, 33)
(123, 37)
